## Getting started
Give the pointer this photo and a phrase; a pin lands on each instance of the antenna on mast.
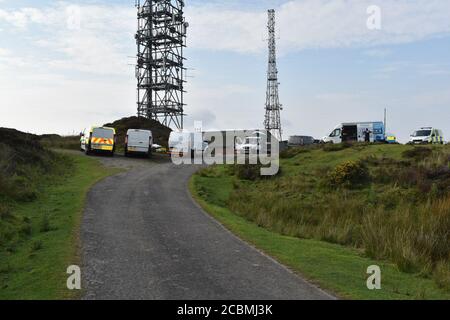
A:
(272, 121)
(160, 72)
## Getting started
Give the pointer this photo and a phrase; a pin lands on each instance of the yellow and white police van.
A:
(99, 140)
(427, 135)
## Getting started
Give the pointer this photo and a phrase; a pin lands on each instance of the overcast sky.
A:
(58, 76)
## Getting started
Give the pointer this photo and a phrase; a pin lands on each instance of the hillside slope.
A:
(42, 195)
(390, 202)
(24, 166)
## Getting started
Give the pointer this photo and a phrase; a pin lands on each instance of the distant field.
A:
(41, 201)
(335, 210)
(59, 142)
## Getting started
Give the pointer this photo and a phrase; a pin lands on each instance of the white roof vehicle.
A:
(254, 145)
(138, 142)
(184, 142)
(427, 135)
(357, 132)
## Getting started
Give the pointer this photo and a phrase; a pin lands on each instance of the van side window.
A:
(336, 133)
(378, 131)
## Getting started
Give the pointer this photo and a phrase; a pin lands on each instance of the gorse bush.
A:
(349, 174)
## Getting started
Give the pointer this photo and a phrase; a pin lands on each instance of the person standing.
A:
(367, 133)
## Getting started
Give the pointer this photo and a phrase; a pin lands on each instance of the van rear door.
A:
(102, 139)
(139, 141)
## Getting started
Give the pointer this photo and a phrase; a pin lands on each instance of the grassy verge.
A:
(308, 227)
(35, 267)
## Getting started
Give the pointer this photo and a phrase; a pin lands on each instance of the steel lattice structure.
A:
(161, 38)
(272, 121)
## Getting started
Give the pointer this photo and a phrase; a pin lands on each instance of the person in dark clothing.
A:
(367, 133)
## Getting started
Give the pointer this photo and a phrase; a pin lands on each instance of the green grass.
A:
(391, 201)
(323, 159)
(324, 234)
(35, 267)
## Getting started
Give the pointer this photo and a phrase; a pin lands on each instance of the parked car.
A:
(391, 138)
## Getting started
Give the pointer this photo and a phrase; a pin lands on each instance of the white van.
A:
(357, 132)
(427, 135)
(186, 142)
(250, 145)
(138, 142)
(254, 144)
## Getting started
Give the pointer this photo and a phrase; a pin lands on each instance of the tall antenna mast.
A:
(273, 107)
(160, 39)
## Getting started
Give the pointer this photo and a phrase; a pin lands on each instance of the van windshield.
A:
(422, 133)
(103, 133)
